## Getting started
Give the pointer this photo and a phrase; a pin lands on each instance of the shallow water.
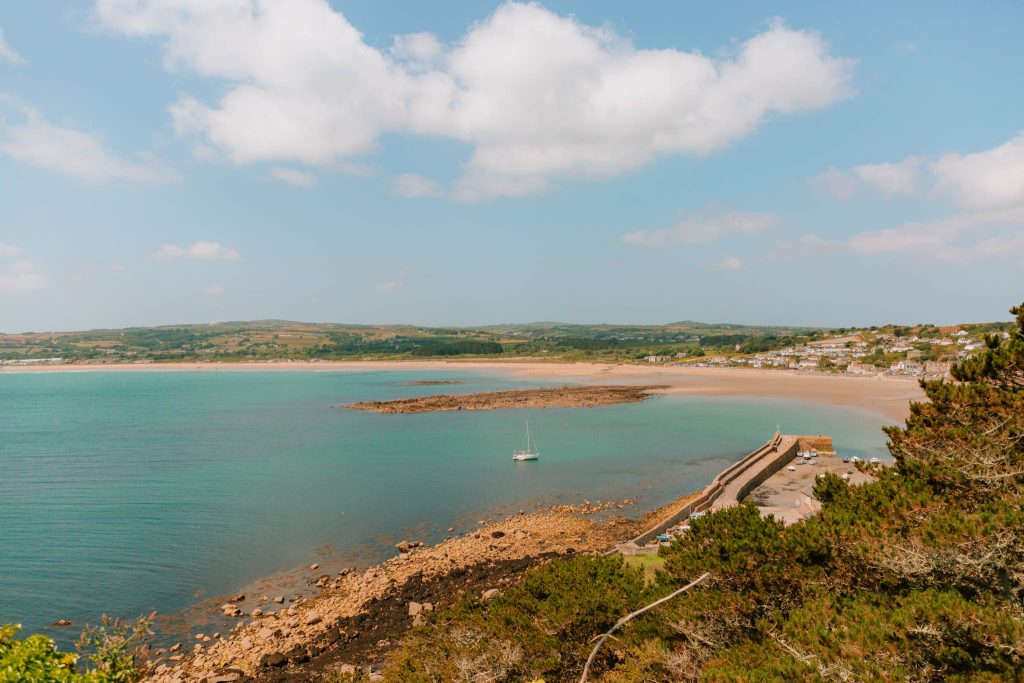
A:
(128, 492)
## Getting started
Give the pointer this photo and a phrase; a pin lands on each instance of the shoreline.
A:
(356, 617)
(887, 396)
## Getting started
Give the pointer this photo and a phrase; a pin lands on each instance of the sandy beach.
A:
(888, 396)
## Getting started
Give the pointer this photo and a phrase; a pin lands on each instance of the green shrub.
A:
(37, 660)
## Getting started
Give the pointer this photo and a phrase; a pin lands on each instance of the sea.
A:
(122, 493)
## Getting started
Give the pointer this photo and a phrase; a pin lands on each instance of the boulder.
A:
(314, 567)
(312, 618)
(238, 598)
(175, 647)
(497, 534)
(415, 608)
(279, 599)
(62, 623)
(273, 659)
(297, 655)
(257, 612)
(226, 677)
(200, 636)
(490, 594)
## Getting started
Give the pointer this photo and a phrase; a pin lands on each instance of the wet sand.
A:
(888, 396)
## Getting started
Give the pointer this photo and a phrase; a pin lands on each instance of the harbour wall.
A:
(736, 482)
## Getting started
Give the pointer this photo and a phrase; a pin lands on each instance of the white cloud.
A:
(411, 185)
(418, 51)
(37, 142)
(891, 179)
(702, 229)
(729, 263)
(987, 185)
(293, 177)
(539, 96)
(390, 285)
(990, 179)
(7, 53)
(208, 251)
(973, 235)
(835, 184)
(984, 180)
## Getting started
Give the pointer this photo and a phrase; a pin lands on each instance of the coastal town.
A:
(929, 352)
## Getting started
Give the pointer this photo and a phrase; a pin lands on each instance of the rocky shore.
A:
(431, 382)
(358, 617)
(555, 397)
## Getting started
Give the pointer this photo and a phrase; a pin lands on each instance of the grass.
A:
(649, 563)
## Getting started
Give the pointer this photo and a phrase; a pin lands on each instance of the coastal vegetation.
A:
(918, 575)
(683, 342)
(283, 340)
(112, 652)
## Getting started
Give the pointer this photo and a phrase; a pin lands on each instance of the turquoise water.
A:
(128, 492)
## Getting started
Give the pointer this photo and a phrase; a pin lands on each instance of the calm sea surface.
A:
(128, 492)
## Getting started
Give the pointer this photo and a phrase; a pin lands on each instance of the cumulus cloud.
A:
(35, 141)
(539, 96)
(702, 228)
(206, 251)
(987, 186)
(7, 53)
(984, 180)
(889, 179)
(411, 185)
(729, 263)
(989, 179)
(293, 177)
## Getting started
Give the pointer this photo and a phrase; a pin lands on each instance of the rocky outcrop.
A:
(557, 397)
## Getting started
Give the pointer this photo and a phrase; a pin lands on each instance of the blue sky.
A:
(172, 161)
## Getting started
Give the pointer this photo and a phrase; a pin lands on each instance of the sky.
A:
(465, 163)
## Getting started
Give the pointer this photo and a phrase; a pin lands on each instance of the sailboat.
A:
(531, 452)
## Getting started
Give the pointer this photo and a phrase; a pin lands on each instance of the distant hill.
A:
(294, 340)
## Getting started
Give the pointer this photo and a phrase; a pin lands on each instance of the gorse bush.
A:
(918, 575)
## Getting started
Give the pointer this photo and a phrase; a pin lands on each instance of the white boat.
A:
(531, 452)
